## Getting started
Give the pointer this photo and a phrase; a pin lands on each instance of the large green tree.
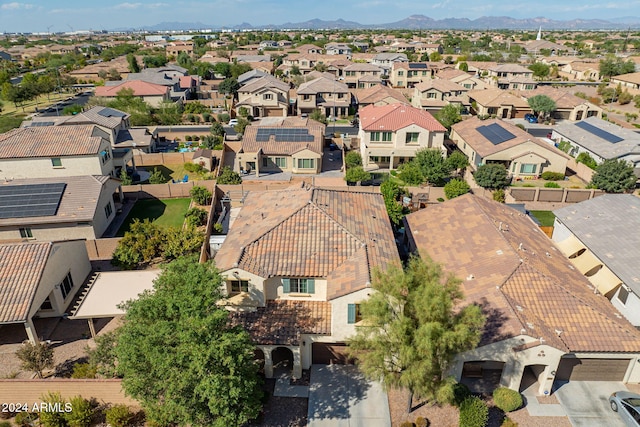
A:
(614, 176)
(542, 104)
(180, 357)
(433, 165)
(492, 176)
(412, 331)
(449, 115)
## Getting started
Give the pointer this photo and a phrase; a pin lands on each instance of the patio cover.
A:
(586, 262)
(570, 246)
(605, 281)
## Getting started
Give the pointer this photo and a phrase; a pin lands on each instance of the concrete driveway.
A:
(587, 403)
(340, 396)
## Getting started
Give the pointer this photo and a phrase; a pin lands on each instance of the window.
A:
(108, 210)
(306, 97)
(354, 315)
(306, 163)
(379, 159)
(267, 96)
(281, 162)
(623, 294)
(432, 95)
(424, 73)
(239, 286)
(340, 95)
(400, 73)
(412, 137)
(46, 305)
(56, 162)
(298, 285)
(26, 233)
(400, 83)
(528, 168)
(381, 136)
(66, 285)
(105, 156)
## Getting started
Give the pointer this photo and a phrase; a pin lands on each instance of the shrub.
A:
(206, 117)
(82, 412)
(26, 419)
(228, 176)
(217, 228)
(551, 185)
(460, 393)
(188, 138)
(407, 424)
(196, 216)
(587, 160)
(119, 416)
(200, 195)
(422, 422)
(455, 188)
(53, 418)
(509, 423)
(5, 423)
(498, 195)
(506, 399)
(473, 412)
(440, 199)
(224, 117)
(352, 159)
(193, 167)
(35, 357)
(156, 177)
(356, 174)
(84, 370)
(552, 176)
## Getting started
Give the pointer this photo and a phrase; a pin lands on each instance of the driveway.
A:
(587, 403)
(340, 396)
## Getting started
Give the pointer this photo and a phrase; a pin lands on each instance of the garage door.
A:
(573, 369)
(326, 354)
(273, 112)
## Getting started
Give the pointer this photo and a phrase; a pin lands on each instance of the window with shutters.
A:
(298, 285)
(353, 313)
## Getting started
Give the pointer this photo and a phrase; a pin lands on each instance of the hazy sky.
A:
(64, 15)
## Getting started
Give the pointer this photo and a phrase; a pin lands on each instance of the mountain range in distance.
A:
(419, 22)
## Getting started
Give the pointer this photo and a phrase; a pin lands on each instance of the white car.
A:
(233, 122)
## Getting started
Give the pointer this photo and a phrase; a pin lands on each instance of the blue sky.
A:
(61, 15)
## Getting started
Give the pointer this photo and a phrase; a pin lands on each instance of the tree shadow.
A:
(335, 392)
(494, 320)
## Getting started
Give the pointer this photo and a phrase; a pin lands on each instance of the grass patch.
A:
(177, 172)
(10, 122)
(165, 213)
(42, 101)
(546, 218)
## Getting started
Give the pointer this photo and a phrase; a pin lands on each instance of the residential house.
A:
(330, 96)
(281, 145)
(264, 97)
(580, 70)
(249, 76)
(98, 72)
(479, 68)
(385, 60)
(268, 44)
(391, 134)
(361, 76)
(601, 139)
(40, 279)
(568, 106)
(379, 95)
(536, 47)
(601, 237)
(153, 94)
(338, 49)
(296, 264)
(176, 48)
(498, 103)
(544, 324)
(433, 94)
(465, 80)
(497, 141)
(408, 74)
(506, 71)
(627, 81)
(63, 208)
(306, 63)
(171, 76)
(55, 152)
(306, 49)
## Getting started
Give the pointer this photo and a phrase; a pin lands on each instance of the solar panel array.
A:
(495, 133)
(599, 132)
(23, 201)
(417, 65)
(110, 112)
(284, 135)
(40, 124)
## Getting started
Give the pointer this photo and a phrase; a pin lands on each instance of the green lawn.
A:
(166, 213)
(177, 172)
(545, 217)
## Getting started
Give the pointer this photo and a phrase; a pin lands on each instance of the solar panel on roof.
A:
(418, 65)
(284, 135)
(599, 132)
(38, 124)
(110, 112)
(31, 200)
(495, 133)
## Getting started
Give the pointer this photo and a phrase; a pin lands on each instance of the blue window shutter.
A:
(286, 288)
(351, 313)
(311, 286)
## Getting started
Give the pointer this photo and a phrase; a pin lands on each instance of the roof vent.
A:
(470, 277)
(530, 325)
(520, 247)
(519, 308)
(499, 252)
(558, 332)
(548, 254)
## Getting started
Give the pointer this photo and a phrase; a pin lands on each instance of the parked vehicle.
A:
(233, 122)
(531, 118)
(627, 405)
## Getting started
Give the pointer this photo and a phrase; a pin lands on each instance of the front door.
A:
(251, 166)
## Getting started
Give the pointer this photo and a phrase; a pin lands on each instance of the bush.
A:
(217, 228)
(26, 419)
(422, 422)
(228, 176)
(193, 167)
(119, 416)
(156, 177)
(407, 424)
(352, 159)
(455, 188)
(188, 138)
(551, 185)
(82, 412)
(509, 423)
(196, 216)
(84, 370)
(460, 393)
(506, 399)
(53, 418)
(587, 160)
(5, 423)
(498, 195)
(200, 195)
(356, 174)
(473, 412)
(552, 176)
(224, 117)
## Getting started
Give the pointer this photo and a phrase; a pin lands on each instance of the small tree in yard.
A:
(390, 192)
(356, 174)
(586, 159)
(228, 176)
(410, 173)
(614, 176)
(542, 104)
(491, 176)
(457, 161)
(35, 357)
(455, 188)
(433, 165)
(196, 216)
(413, 330)
(352, 159)
(318, 116)
(156, 177)
(125, 179)
(200, 195)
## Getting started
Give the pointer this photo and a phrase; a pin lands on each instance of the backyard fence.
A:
(583, 171)
(552, 195)
(101, 249)
(164, 191)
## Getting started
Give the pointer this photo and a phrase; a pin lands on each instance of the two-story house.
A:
(391, 134)
(362, 76)
(151, 93)
(433, 94)
(264, 97)
(493, 102)
(296, 263)
(338, 49)
(379, 95)
(55, 151)
(330, 96)
(385, 60)
(409, 74)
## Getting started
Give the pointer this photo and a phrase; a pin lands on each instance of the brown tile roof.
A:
(264, 82)
(519, 277)
(139, 87)
(21, 267)
(49, 141)
(282, 322)
(393, 117)
(322, 85)
(275, 147)
(440, 85)
(79, 201)
(497, 98)
(101, 116)
(379, 93)
(468, 131)
(311, 232)
(562, 98)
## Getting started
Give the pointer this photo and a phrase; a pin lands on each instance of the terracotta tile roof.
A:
(467, 130)
(282, 322)
(393, 117)
(139, 87)
(562, 98)
(358, 66)
(448, 74)
(511, 68)
(50, 141)
(497, 98)
(380, 93)
(21, 267)
(523, 282)
(264, 82)
(312, 232)
(275, 147)
(322, 85)
(440, 85)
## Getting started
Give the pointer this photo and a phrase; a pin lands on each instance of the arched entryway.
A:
(258, 354)
(531, 377)
(282, 358)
